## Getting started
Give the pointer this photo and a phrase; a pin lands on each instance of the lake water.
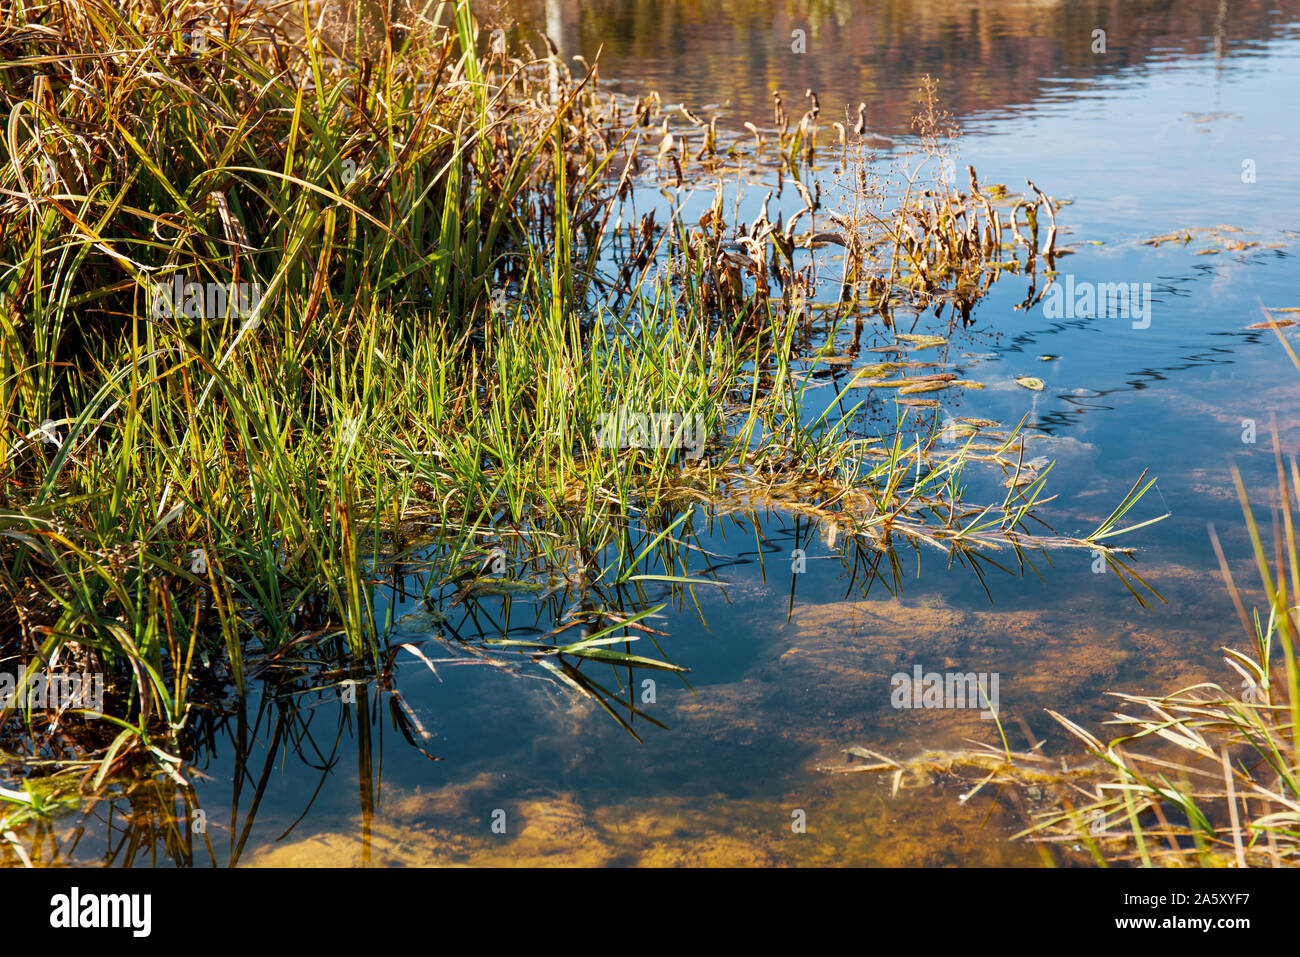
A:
(1187, 122)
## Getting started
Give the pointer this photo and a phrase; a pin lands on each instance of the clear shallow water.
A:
(787, 670)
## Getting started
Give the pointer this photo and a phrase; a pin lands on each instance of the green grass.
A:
(183, 498)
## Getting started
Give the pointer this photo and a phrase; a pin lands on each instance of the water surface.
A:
(787, 669)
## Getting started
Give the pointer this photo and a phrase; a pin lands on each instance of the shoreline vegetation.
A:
(453, 297)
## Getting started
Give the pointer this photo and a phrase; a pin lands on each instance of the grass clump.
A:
(269, 312)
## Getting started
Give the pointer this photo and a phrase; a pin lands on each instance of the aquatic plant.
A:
(200, 491)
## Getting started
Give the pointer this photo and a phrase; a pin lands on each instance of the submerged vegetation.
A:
(444, 291)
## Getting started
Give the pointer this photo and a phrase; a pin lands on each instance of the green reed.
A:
(187, 492)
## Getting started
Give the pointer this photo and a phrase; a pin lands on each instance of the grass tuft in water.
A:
(268, 313)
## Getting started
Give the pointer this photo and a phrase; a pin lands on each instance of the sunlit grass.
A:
(432, 345)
